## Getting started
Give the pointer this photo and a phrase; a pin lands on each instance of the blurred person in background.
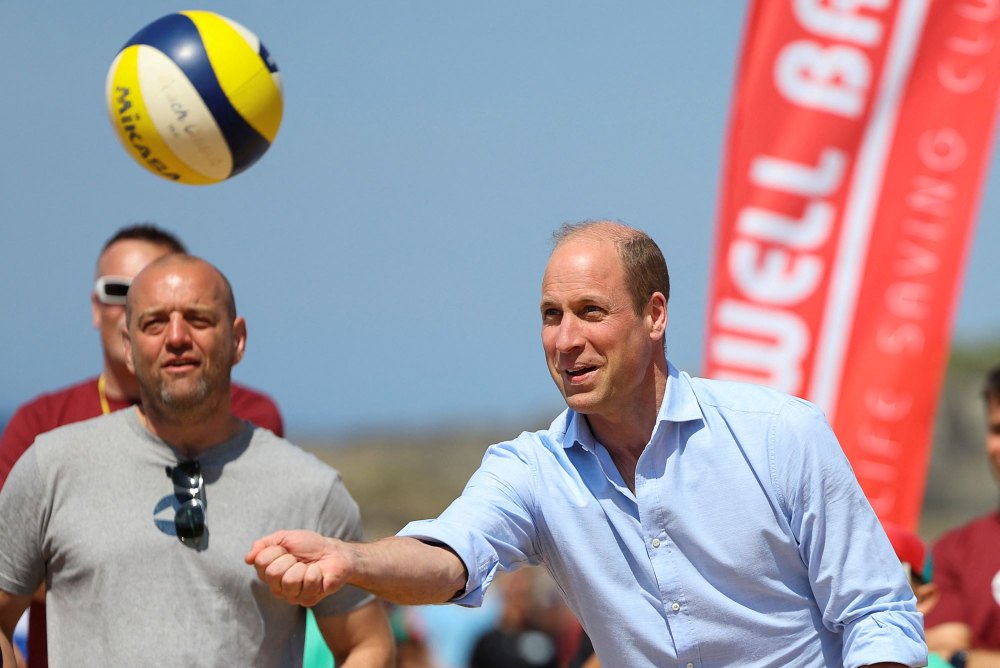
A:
(412, 650)
(965, 624)
(917, 564)
(122, 256)
(531, 629)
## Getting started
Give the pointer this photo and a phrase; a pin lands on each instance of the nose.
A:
(570, 334)
(178, 335)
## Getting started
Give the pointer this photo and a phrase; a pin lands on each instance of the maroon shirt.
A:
(966, 565)
(82, 402)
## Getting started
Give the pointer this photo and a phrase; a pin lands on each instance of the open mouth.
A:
(577, 374)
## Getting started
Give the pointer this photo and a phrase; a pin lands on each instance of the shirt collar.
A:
(679, 405)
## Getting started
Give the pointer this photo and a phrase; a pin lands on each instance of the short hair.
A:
(146, 232)
(642, 261)
(991, 386)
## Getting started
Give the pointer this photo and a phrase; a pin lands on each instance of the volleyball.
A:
(194, 97)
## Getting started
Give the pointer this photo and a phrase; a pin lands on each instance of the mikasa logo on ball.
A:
(195, 97)
(134, 139)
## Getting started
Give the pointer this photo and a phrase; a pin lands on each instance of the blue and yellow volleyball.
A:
(194, 97)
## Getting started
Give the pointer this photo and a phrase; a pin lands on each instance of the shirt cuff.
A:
(479, 558)
(896, 637)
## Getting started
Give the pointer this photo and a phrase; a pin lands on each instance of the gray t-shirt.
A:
(89, 510)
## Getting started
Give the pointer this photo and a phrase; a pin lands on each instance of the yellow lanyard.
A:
(102, 395)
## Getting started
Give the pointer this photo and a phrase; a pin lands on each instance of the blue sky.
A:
(387, 250)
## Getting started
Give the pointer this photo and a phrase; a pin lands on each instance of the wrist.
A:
(356, 559)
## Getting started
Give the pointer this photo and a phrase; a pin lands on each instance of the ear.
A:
(656, 315)
(239, 339)
(95, 311)
(127, 348)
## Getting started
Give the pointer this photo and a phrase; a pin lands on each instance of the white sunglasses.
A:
(112, 290)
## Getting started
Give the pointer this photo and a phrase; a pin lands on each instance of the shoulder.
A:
(522, 463)
(784, 437)
(52, 407)
(756, 405)
(742, 397)
(45, 413)
(303, 487)
(543, 443)
(84, 387)
(83, 431)
(985, 526)
(289, 460)
(72, 451)
(256, 407)
(248, 395)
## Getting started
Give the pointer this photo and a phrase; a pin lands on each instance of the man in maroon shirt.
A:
(123, 256)
(965, 623)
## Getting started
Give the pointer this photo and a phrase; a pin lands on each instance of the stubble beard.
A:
(182, 406)
(184, 403)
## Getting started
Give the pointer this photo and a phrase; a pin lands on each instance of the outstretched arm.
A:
(303, 567)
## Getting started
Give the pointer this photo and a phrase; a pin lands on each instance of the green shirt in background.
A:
(316, 654)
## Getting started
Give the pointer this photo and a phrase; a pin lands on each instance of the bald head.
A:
(175, 269)
(640, 257)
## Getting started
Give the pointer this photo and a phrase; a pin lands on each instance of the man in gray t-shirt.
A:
(137, 521)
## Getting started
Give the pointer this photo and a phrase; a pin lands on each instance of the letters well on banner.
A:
(859, 137)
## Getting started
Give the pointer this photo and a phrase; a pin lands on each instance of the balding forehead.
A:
(182, 265)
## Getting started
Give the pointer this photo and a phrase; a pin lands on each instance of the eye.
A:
(592, 311)
(152, 325)
(551, 315)
(200, 319)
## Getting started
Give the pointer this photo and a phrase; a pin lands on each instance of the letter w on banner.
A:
(859, 136)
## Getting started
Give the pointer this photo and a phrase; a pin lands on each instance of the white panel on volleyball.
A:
(254, 43)
(181, 117)
(245, 33)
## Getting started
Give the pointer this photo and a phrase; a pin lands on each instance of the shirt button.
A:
(690, 665)
(675, 607)
(656, 542)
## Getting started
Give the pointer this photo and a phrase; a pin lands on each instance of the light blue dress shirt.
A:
(748, 541)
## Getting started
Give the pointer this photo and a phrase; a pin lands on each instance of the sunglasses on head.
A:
(189, 521)
(112, 290)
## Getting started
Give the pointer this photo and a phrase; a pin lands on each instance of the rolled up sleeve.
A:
(490, 526)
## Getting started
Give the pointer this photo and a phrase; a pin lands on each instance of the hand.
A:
(301, 567)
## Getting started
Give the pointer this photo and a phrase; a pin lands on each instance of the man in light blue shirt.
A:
(688, 522)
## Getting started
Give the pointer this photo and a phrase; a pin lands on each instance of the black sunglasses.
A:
(189, 490)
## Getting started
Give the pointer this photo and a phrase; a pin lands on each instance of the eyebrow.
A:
(587, 297)
(196, 309)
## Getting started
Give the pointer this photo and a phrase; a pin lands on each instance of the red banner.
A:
(859, 137)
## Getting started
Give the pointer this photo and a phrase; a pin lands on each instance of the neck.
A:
(625, 443)
(192, 434)
(625, 435)
(119, 383)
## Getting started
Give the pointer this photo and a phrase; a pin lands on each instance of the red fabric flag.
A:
(859, 138)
